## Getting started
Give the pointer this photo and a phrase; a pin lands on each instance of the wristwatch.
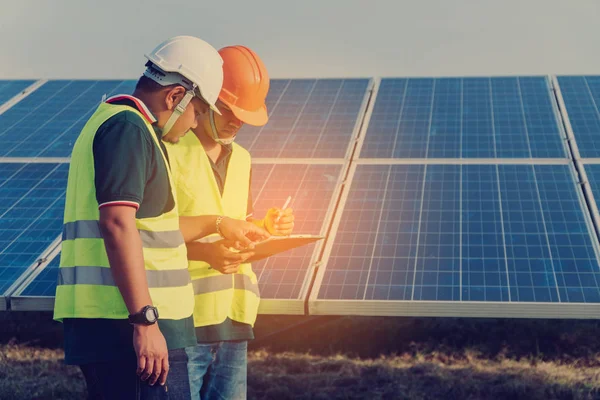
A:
(148, 316)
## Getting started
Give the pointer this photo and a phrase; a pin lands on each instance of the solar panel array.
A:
(461, 197)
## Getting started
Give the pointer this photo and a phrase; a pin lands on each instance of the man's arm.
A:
(122, 160)
(124, 250)
(196, 227)
(218, 255)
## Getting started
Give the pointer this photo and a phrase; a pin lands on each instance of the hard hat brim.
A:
(212, 107)
(255, 118)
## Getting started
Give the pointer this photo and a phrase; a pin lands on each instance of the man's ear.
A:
(174, 96)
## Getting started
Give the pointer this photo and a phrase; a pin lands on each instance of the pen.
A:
(287, 203)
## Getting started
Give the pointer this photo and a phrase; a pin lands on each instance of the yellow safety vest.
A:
(86, 288)
(218, 295)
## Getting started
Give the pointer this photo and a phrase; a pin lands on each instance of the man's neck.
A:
(148, 100)
(211, 148)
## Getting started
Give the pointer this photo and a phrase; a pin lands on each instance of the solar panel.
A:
(582, 100)
(463, 117)
(47, 122)
(286, 276)
(309, 118)
(282, 277)
(458, 234)
(9, 89)
(31, 215)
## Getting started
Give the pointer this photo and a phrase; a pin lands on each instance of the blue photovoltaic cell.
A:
(582, 99)
(311, 188)
(31, 214)
(47, 122)
(463, 117)
(505, 233)
(45, 283)
(9, 89)
(308, 118)
(280, 276)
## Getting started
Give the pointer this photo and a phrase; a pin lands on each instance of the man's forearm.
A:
(126, 258)
(197, 251)
(197, 227)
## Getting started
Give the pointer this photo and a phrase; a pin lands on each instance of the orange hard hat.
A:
(245, 84)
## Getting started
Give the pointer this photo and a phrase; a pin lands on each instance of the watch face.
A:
(150, 315)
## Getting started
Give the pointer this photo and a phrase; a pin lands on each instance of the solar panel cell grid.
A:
(47, 122)
(463, 233)
(311, 188)
(463, 117)
(582, 99)
(31, 218)
(308, 119)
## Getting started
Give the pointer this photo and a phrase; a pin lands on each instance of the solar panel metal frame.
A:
(35, 303)
(426, 308)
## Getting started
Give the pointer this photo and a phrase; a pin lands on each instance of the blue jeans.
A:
(218, 370)
(115, 380)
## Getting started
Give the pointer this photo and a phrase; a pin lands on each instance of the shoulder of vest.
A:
(236, 147)
(126, 113)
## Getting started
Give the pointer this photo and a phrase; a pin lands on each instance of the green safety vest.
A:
(218, 295)
(86, 288)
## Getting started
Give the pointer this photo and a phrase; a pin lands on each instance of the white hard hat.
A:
(191, 58)
(191, 63)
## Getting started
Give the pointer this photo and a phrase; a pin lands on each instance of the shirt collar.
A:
(135, 103)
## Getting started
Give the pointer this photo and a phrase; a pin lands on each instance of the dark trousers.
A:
(117, 380)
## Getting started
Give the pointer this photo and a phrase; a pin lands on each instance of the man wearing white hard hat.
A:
(123, 269)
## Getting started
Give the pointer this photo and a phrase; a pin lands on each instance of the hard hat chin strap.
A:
(214, 132)
(179, 109)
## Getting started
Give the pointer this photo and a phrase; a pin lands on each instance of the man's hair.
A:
(145, 84)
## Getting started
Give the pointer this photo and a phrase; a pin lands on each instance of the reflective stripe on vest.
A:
(223, 282)
(103, 276)
(91, 230)
(218, 296)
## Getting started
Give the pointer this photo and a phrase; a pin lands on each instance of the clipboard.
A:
(279, 244)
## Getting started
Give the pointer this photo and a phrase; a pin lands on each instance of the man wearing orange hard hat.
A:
(212, 176)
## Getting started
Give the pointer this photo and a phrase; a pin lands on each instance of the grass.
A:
(357, 358)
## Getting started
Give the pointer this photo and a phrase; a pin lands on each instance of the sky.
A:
(71, 39)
